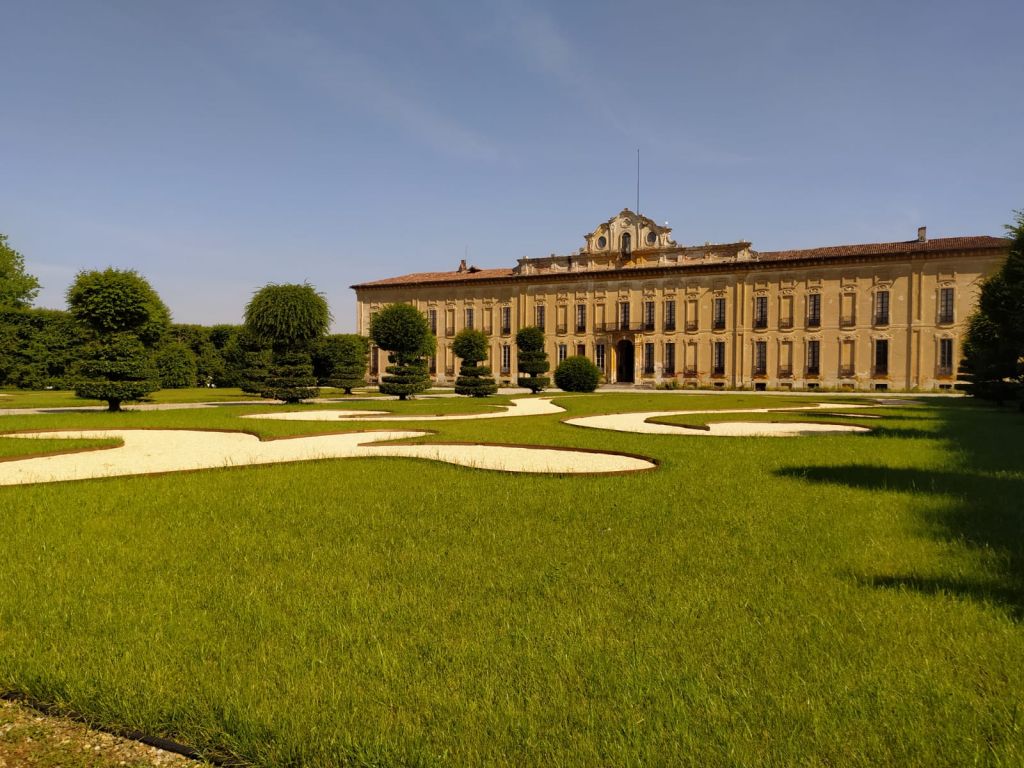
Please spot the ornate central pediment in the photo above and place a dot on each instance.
(627, 233)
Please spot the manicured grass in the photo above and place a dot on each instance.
(11, 447)
(833, 600)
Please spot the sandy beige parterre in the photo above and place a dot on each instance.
(648, 310)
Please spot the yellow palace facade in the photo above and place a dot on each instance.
(648, 311)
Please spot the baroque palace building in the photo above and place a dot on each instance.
(648, 311)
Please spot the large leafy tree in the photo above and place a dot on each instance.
(474, 379)
(404, 332)
(17, 287)
(288, 317)
(126, 319)
(994, 343)
(339, 360)
(533, 360)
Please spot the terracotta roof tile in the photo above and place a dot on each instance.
(882, 249)
(439, 277)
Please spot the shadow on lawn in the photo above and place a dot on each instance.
(985, 493)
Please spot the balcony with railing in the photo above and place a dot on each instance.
(880, 318)
(813, 371)
(649, 325)
(670, 325)
(944, 371)
(718, 325)
(690, 372)
(785, 372)
(880, 370)
(581, 327)
(786, 324)
(847, 321)
(945, 318)
(561, 330)
(691, 326)
(449, 330)
(846, 371)
(760, 323)
(814, 321)
(760, 370)
(506, 330)
(718, 370)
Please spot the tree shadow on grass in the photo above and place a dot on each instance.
(984, 494)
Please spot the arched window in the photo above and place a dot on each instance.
(627, 244)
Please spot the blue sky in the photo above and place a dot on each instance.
(217, 146)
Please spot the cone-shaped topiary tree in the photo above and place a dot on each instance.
(289, 317)
(474, 379)
(340, 361)
(125, 318)
(577, 374)
(404, 332)
(533, 360)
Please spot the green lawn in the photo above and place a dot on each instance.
(848, 600)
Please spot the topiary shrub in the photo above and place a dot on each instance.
(116, 368)
(533, 360)
(340, 361)
(289, 378)
(404, 332)
(474, 379)
(577, 374)
(176, 366)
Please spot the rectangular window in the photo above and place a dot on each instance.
(945, 357)
(946, 305)
(469, 317)
(648, 358)
(760, 358)
(561, 319)
(718, 314)
(847, 356)
(432, 316)
(813, 357)
(449, 322)
(848, 310)
(581, 318)
(506, 320)
(506, 358)
(563, 351)
(624, 315)
(670, 315)
(881, 357)
(599, 356)
(691, 315)
(718, 358)
(433, 364)
(670, 358)
(882, 308)
(374, 361)
(648, 315)
(760, 311)
(785, 312)
(539, 314)
(814, 310)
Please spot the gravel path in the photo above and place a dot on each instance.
(521, 407)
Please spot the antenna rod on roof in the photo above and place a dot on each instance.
(638, 180)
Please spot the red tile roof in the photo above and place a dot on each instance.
(937, 245)
(884, 249)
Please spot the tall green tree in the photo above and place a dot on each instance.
(288, 317)
(17, 287)
(339, 361)
(474, 379)
(533, 360)
(994, 343)
(126, 319)
(404, 332)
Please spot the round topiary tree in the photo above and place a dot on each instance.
(577, 374)
(533, 360)
(404, 332)
(288, 317)
(125, 318)
(340, 361)
(474, 379)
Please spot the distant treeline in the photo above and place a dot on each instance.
(39, 349)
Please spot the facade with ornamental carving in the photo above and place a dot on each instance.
(649, 311)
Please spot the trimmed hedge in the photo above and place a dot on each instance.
(577, 374)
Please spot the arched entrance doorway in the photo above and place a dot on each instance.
(624, 360)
